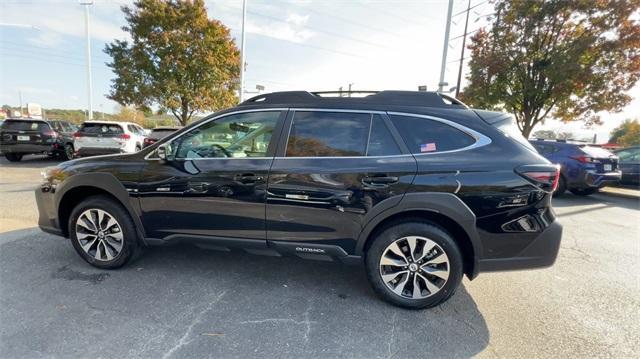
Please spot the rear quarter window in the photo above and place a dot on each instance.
(423, 135)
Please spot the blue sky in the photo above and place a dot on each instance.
(295, 44)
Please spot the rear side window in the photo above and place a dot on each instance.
(25, 126)
(423, 135)
(101, 129)
(328, 134)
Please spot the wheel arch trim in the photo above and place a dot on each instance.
(105, 182)
(442, 203)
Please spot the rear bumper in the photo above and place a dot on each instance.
(96, 151)
(541, 252)
(593, 179)
(28, 148)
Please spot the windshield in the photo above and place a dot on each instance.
(596, 152)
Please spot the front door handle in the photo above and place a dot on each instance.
(381, 180)
(248, 178)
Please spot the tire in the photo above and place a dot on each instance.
(13, 157)
(126, 238)
(562, 187)
(138, 148)
(583, 191)
(421, 233)
(68, 152)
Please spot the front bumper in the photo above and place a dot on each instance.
(541, 252)
(47, 213)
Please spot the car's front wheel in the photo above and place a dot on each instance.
(103, 233)
(13, 157)
(414, 264)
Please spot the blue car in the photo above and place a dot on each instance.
(584, 168)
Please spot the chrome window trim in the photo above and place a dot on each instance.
(481, 140)
(147, 157)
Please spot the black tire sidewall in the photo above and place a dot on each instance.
(13, 157)
(116, 210)
(414, 228)
(65, 155)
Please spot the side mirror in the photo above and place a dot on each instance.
(163, 151)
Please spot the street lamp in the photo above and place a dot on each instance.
(242, 55)
(86, 4)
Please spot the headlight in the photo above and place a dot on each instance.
(51, 174)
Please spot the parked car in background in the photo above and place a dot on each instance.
(584, 168)
(108, 137)
(19, 137)
(630, 164)
(416, 186)
(159, 133)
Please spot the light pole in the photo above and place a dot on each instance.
(445, 47)
(86, 4)
(242, 55)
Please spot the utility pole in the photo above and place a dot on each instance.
(351, 84)
(242, 54)
(87, 25)
(464, 41)
(445, 47)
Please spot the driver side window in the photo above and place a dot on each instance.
(233, 136)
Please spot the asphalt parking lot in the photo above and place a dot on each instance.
(184, 302)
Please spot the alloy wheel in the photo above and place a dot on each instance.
(99, 234)
(414, 267)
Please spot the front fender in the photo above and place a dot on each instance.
(108, 183)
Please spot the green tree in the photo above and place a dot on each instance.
(566, 59)
(177, 58)
(627, 134)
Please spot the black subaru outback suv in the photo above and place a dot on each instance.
(416, 185)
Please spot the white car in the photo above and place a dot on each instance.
(105, 137)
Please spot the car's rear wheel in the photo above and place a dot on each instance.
(414, 264)
(13, 157)
(69, 152)
(562, 187)
(103, 233)
(583, 191)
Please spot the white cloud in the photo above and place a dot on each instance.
(282, 31)
(54, 20)
(298, 20)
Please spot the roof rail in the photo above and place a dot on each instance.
(407, 98)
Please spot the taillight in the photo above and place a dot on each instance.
(124, 136)
(545, 177)
(149, 141)
(52, 134)
(583, 159)
(77, 134)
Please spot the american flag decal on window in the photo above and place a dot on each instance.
(428, 147)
